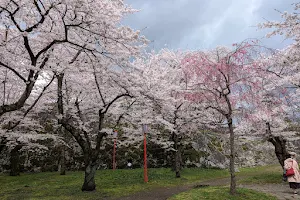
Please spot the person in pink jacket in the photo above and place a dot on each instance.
(294, 180)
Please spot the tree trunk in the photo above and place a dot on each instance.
(3, 142)
(178, 161)
(85, 144)
(232, 158)
(63, 161)
(89, 177)
(15, 161)
(280, 145)
(177, 154)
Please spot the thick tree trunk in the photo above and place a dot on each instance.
(89, 177)
(15, 161)
(279, 143)
(232, 158)
(63, 161)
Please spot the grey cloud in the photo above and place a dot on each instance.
(195, 24)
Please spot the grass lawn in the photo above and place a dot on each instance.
(216, 193)
(261, 175)
(51, 185)
(255, 175)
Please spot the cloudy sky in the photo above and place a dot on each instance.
(204, 24)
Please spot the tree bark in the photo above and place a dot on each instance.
(90, 163)
(178, 161)
(89, 177)
(177, 154)
(15, 161)
(3, 142)
(62, 161)
(279, 143)
(232, 158)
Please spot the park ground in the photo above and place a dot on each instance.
(195, 183)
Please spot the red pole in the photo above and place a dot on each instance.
(145, 160)
(114, 155)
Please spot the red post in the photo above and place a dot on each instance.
(114, 155)
(145, 160)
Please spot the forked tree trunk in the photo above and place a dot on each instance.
(82, 137)
(232, 158)
(279, 143)
(89, 177)
(15, 161)
(63, 161)
(90, 163)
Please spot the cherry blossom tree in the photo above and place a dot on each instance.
(224, 80)
(161, 81)
(30, 31)
(84, 45)
(20, 129)
(27, 136)
(267, 117)
(103, 81)
(85, 112)
(285, 64)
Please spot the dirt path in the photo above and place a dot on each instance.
(157, 194)
(166, 192)
(281, 191)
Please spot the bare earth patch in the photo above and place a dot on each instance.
(158, 194)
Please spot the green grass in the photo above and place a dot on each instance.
(254, 175)
(51, 185)
(260, 169)
(216, 193)
(261, 175)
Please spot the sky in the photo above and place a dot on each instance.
(205, 24)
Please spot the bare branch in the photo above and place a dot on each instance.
(115, 99)
(34, 103)
(14, 71)
(98, 86)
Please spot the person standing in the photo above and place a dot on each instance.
(294, 180)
